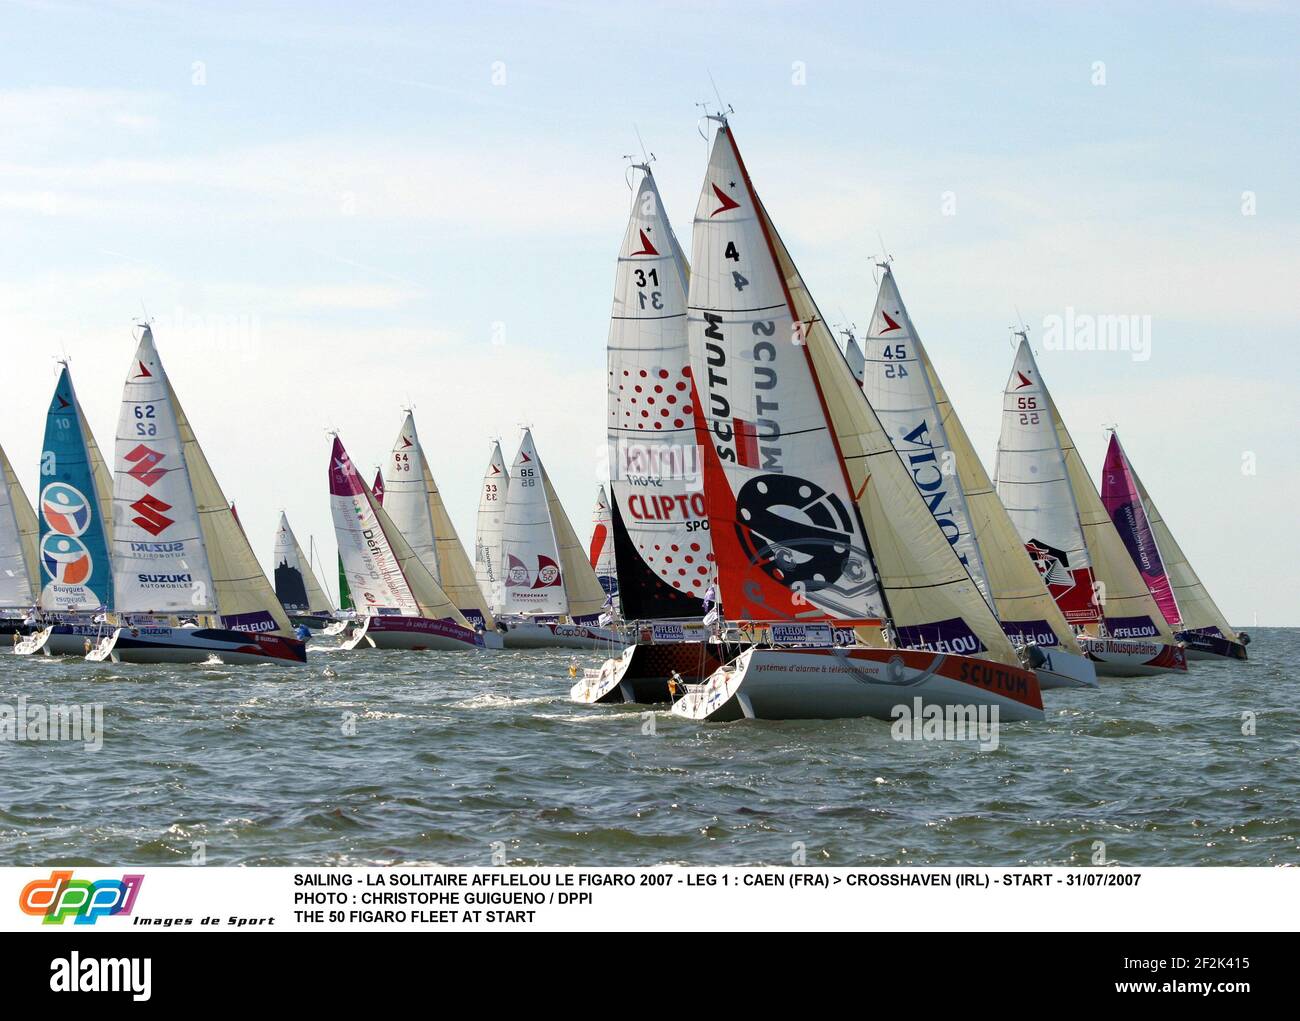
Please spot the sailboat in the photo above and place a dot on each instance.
(402, 606)
(296, 586)
(178, 551)
(487, 530)
(20, 578)
(76, 530)
(412, 500)
(663, 555)
(550, 597)
(1177, 589)
(1069, 536)
(601, 549)
(820, 534)
(347, 614)
(911, 403)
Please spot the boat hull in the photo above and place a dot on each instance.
(641, 674)
(314, 621)
(530, 634)
(62, 640)
(162, 644)
(1056, 668)
(819, 684)
(1209, 647)
(418, 634)
(1133, 657)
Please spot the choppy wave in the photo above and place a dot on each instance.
(451, 758)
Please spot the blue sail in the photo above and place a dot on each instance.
(75, 569)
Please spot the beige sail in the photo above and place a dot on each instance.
(581, 586)
(1124, 593)
(240, 587)
(923, 579)
(456, 573)
(28, 526)
(432, 600)
(1196, 607)
(1017, 587)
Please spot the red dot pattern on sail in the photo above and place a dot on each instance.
(646, 247)
(654, 400)
(727, 202)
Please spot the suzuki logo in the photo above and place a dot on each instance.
(146, 470)
(150, 514)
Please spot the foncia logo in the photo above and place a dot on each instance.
(83, 900)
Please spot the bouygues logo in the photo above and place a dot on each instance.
(83, 900)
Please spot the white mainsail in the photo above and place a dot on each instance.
(289, 557)
(530, 555)
(384, 574)
(1198, 610)
(659, 518)
(796, 549)
(19, 571)
(412, 500)
(406, 495)
(1034, 485)
(1024, 606)
(815, 418)
(160, 563)
(897, 384)
(488, 527)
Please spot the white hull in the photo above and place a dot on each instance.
(417, 634)
(1061, 669)
(641, 674)
(818, 684)
(528, 634)
(337, 627)
(62, 640)
(1133, 657)
(162, 644)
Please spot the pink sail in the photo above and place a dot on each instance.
(1120, 495)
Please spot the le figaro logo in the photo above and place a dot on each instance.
(85, 901)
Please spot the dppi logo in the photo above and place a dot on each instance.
(66, 509)
(61, 897)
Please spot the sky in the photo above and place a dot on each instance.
(333, 210)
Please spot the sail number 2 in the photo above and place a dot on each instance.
(145, 426)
